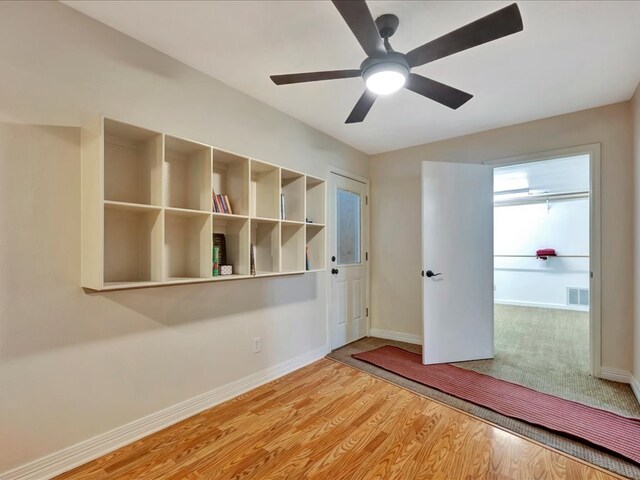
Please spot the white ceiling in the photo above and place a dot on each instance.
(560, 175)
(570, 56)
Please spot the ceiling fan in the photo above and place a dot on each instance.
(386, 71)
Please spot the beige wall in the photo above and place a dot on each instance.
(635, 109)
(74, 365)
(396, 229)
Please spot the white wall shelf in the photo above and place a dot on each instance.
(293, 248)
(265, 235)
(316, 247)
(293, 192)
(186, 178)
(187, 245)
(148, 214)
(265, 190)
(132, 163)
(132, 244)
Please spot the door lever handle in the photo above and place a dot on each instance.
(431, 274)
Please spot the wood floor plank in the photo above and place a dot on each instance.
(330, 421)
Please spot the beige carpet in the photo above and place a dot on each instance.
(543, 349)
(548, 350)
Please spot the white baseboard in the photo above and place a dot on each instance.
(635, 386)
(398, 336)
(615, 374)
(540, 305)
(85, 451)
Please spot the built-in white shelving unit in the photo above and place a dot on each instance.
(148, 215)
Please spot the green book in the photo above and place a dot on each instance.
(216, 261)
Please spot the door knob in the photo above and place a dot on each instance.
(431, 274)
(334, 271)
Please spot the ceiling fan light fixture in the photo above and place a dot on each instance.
(386, 78)
(385, 71)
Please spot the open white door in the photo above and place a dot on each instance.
(457, 255)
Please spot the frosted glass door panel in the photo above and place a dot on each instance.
(348, 226)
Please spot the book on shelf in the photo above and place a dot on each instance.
(253, 260)
(216, 261)
(220, 241)
(228, 203)
(283, 214)
(308, 262)
(221, 204)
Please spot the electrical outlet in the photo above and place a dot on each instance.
(257, 345)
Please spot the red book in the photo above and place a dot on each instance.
(544, 253)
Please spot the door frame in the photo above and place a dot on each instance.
(365, 245)
(595, 245)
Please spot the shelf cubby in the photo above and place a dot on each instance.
(230, 176)
(132, 164)
(187, 183)
(132, 244)
(315, 200)
(293, 188)
(315, 246)
(293, 248)
(265, 235)
(236, 233)
(187, 245)
(265, 190)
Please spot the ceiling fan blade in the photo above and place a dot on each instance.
(439, 92)
(362, 107)
(501, 23)
(359, 19)
(313, 76)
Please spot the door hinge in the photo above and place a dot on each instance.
(367, 311)
(366, 256)
(366, 199)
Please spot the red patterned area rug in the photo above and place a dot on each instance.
(605, 429)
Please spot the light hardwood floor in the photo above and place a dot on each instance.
(330, 421)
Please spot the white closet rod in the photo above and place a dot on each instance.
(542, 198)
(535, 256)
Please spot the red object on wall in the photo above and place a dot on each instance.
(544, 253)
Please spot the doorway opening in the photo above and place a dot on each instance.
(542, 266)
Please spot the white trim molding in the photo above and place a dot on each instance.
(87, 450)
(635, 386)
(615, 374)
(397, 336)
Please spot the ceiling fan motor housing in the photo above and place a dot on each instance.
(387, 24)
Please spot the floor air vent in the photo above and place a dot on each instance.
(578, 296)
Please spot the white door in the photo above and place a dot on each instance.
(348, 231)
(457, 255)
